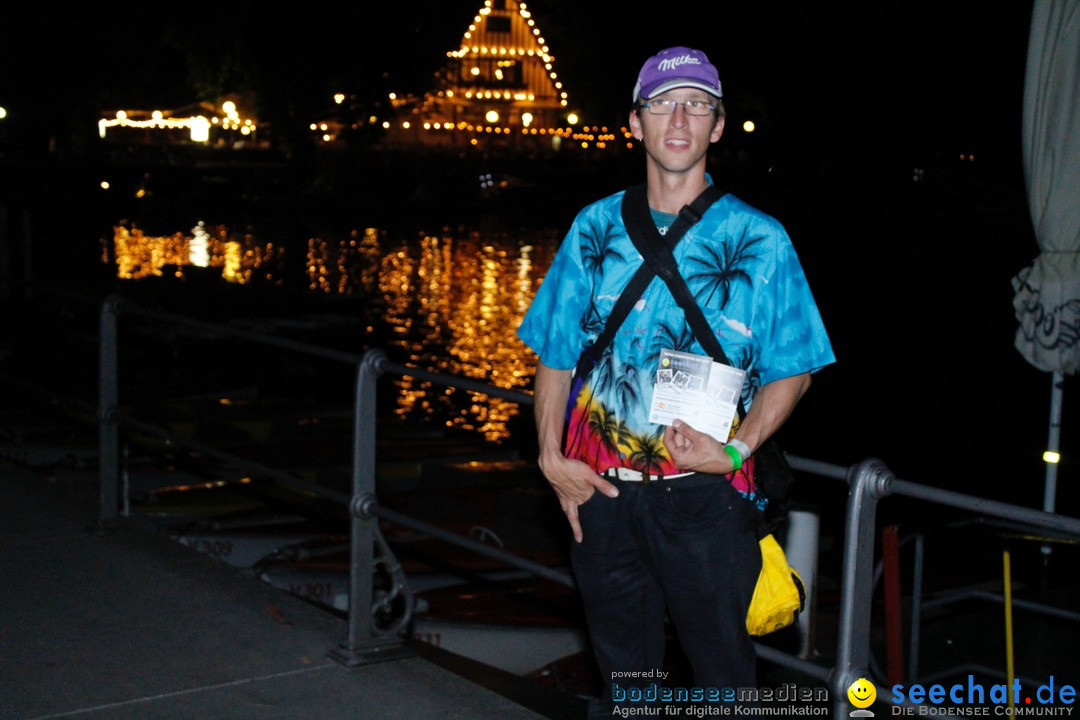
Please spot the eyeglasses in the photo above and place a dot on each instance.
(667, 107)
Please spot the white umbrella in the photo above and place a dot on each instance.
(1047, 300)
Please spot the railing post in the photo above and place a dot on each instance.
(108, 407)
(869, 483)
(894, 602)
(801, 548)
(916, 606)
(365, 645)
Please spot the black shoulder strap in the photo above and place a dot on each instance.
(630, 295)
(639, 222)
(658, 253)
(634, 200)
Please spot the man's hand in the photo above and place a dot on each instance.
(574, 482)
(697, 451)
(692, 449)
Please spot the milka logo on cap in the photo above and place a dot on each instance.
(673, 63)
(676, 67)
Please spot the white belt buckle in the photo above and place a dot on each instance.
(629, 475)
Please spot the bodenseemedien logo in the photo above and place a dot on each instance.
(862, 694)
(696, 702)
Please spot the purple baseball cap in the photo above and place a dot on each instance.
(674, 68)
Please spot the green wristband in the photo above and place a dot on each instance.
(742, 447)
(736, 458)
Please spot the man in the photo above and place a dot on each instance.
(664, 525)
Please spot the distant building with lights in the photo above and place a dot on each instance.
(498, 92)
(499, 89)
(201, 123)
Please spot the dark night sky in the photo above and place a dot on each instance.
(928, 75)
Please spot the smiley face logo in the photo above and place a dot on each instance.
(862, 693)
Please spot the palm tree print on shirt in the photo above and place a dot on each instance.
(721, 268)
(648, 453)
(606, 426)
(596, 251)
(670, 338)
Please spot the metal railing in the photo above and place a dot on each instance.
(871, 481)
(370, 641)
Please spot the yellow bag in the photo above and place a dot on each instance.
(779, 595)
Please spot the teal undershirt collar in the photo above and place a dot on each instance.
(663, 220)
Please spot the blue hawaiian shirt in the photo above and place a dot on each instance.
(740, 265)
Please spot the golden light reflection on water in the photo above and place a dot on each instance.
(452, 301)
(454, 305)
(346, 266)
(237, 257)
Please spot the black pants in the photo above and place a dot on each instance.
(683, 548)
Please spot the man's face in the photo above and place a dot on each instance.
(677, 143)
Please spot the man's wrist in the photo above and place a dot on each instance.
(741, 447)
(736, 458)
(548, 454)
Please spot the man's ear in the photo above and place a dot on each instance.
(717, 130)
(635, 123)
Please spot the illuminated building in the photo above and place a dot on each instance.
(499, 88)
(201, 123)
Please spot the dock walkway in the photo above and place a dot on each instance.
(130, 624)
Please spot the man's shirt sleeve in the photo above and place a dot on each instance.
(552, 326)
(792, 334)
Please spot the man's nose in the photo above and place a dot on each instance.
(678, 115)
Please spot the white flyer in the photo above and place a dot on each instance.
(698, 391)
